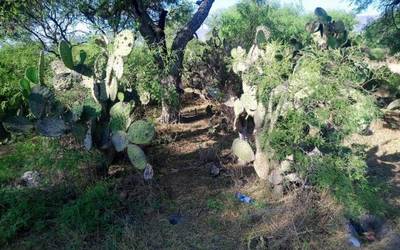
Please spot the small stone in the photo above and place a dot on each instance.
(31, 179)
(115, 170)
(148, 173)
(293, 178)
(285, 166)
(214, 168)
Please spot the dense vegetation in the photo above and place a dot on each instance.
(84, 140)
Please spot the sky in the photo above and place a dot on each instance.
(309, 5)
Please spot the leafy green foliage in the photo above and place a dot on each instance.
(238, 24)
(14, 61)
(381, 33)
(45, 156)
(93, 211)
(142, 73)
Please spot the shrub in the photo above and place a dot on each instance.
(304, 106)
(13, 63)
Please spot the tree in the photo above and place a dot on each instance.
(171, 62)
(47, 21)
(151, 18)
(390, 8)
(55, 18)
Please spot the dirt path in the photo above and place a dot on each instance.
(383, 156)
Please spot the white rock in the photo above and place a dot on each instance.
(31, 178)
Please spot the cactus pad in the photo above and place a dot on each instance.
(137, 157)
(238, 107)
(141, 132)
(320, 12)
(118, 66)
(112, 89)
(119, 140)
(38, 100)
(31, 74)
(41, 68)
(249, 103)
(66, 54)
(123, 43)
(25, 87)
(243, 150)
(120, 116)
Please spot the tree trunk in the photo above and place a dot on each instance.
(155, 36)
(169, 113)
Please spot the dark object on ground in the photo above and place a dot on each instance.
(244, 198)
(175, 219)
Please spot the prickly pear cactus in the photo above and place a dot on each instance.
(328, 33)
(141, 132)
(137, 156)
(102, 118)
(65, 51)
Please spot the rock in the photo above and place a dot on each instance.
(148, 173)
(207, 155)
(64, 78)
(275, 177)
(30, 179)
(285, 166)
(215, 168)
(293, 178)
(115, 170)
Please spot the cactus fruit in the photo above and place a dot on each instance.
(119, 140)
(137, 157)
(141, 132)
(243, 150)
(66, 54)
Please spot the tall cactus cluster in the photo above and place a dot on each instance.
(304, 96)
(93, 105)
(251, 115)
(328, 32)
